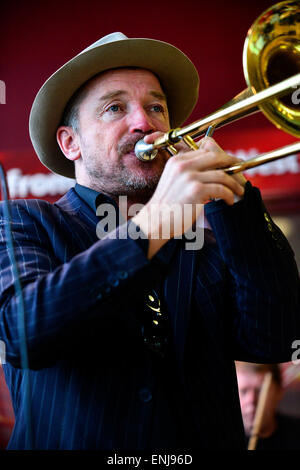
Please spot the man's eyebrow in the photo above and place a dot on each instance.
(112, 94)
(117, 93)
(158, 95)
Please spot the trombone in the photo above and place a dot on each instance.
(271, 65)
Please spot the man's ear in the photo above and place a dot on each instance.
(68, 141)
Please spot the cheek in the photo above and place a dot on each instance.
(110, 136)
(94, 141)
(242, 401)
(161, 124)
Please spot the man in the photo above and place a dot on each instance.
(122, 331)
(277, 432)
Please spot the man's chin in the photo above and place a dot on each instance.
(248, 428)
(142, 174)
(136, 183)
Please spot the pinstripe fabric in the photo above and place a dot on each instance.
(93, 384)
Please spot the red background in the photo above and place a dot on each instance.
(37, 37)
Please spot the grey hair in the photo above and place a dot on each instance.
(70, 117)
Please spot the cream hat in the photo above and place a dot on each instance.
(178, 77)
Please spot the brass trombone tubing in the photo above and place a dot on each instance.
(264, 158)
(228, 113)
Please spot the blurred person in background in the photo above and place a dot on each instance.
(277, 431)
(6, 412)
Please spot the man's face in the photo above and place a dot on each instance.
(250, 384)
(120, 108)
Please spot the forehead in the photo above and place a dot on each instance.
(132, 80)
(250, 379)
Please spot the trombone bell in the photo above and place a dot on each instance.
(271, 54)
(271, 63)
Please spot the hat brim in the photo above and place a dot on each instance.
(177, 74)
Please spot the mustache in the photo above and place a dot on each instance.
(127, 144)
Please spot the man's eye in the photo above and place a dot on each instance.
(157, 108)
(114, 108)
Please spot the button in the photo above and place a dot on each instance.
(145, 394)
(274, 236)
(267, 218)
(270, 227)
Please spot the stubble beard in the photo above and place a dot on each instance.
(115, 178)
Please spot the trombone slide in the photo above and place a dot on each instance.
(264, 158)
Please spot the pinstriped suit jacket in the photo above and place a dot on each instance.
(93, 384)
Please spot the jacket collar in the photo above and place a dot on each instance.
(72, 203)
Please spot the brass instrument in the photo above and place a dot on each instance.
(271, 64)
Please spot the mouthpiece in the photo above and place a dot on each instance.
(145, 152)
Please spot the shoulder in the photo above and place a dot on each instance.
(36, 214)
(39, 208)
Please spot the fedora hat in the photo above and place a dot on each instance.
(178, 77)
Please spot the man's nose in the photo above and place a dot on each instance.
(139, 121)
(252, 397)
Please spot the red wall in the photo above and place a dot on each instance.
(7, 416)
(37, 37)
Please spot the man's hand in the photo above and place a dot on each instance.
(207, 143)
(190, 178)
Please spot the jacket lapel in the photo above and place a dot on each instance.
(178, 295)
(84, 220)
(178, 285)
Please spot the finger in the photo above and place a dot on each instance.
(150, 138)
(220, 177)
(180, 146)
(240, 178)
(217, 191)
(202, 160)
